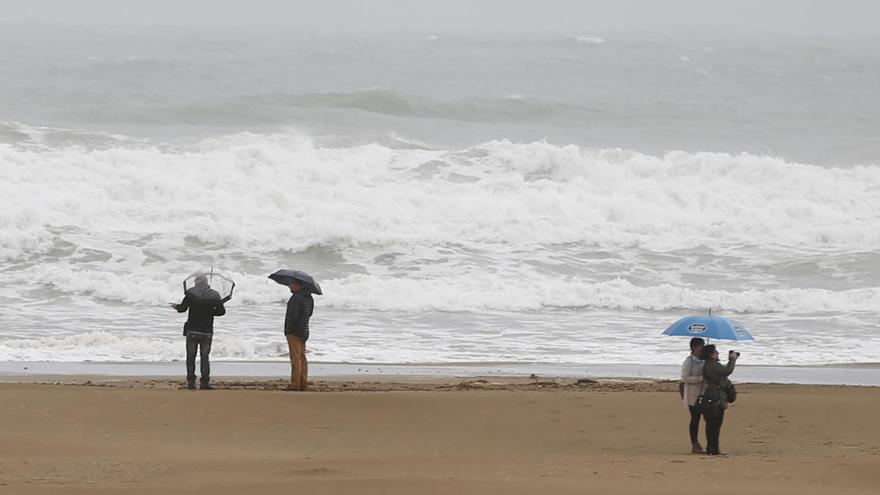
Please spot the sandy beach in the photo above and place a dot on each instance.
(427, 436)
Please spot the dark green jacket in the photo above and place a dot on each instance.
(299, 309)
(715, 379)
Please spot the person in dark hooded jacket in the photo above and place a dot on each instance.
(203, 304)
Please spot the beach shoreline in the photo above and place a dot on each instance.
(404, 383)
(862, 375)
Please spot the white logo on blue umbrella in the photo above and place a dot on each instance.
(696, 328)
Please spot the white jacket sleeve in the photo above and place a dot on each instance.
(687, 370)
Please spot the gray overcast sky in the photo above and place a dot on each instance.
(759, 16)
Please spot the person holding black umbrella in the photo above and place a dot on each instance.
(300, 307)
(296, 328)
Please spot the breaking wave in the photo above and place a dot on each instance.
(511, 229)
(263, 193)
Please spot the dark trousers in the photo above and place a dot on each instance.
(713, 432)
(200, 342)
(694, 427)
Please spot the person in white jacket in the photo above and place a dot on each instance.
(691, 386)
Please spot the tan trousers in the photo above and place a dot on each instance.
(299, 367)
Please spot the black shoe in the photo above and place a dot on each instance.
(206, 386)
(191, 385)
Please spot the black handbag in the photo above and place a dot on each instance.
(709, 405)
(730, 392)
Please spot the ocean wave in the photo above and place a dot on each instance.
(283, 108)
(401, 104)
(264, 193)
(491, 293)
(119, 346)
(474, 290)
(601, 344)
(43, 137)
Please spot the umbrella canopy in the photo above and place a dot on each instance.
(285, 277)
(712, 327)
(209, 285)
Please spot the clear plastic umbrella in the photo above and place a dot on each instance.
(209, 285)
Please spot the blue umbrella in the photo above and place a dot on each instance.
(710, 327)
(285, 277)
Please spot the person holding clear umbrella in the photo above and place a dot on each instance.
(203, 303)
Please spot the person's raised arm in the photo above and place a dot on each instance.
(731, 364)
(184, 305)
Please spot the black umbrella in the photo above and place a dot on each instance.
(209, 286)
(285, 277)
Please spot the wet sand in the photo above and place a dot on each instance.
(412, 435)
(832, 374)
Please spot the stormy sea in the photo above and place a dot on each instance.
(510, 198)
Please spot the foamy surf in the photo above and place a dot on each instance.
(518, 251)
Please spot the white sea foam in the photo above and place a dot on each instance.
(356, 344)
(448, 291)
(408, 231)
(269, 192)
(116, 346)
